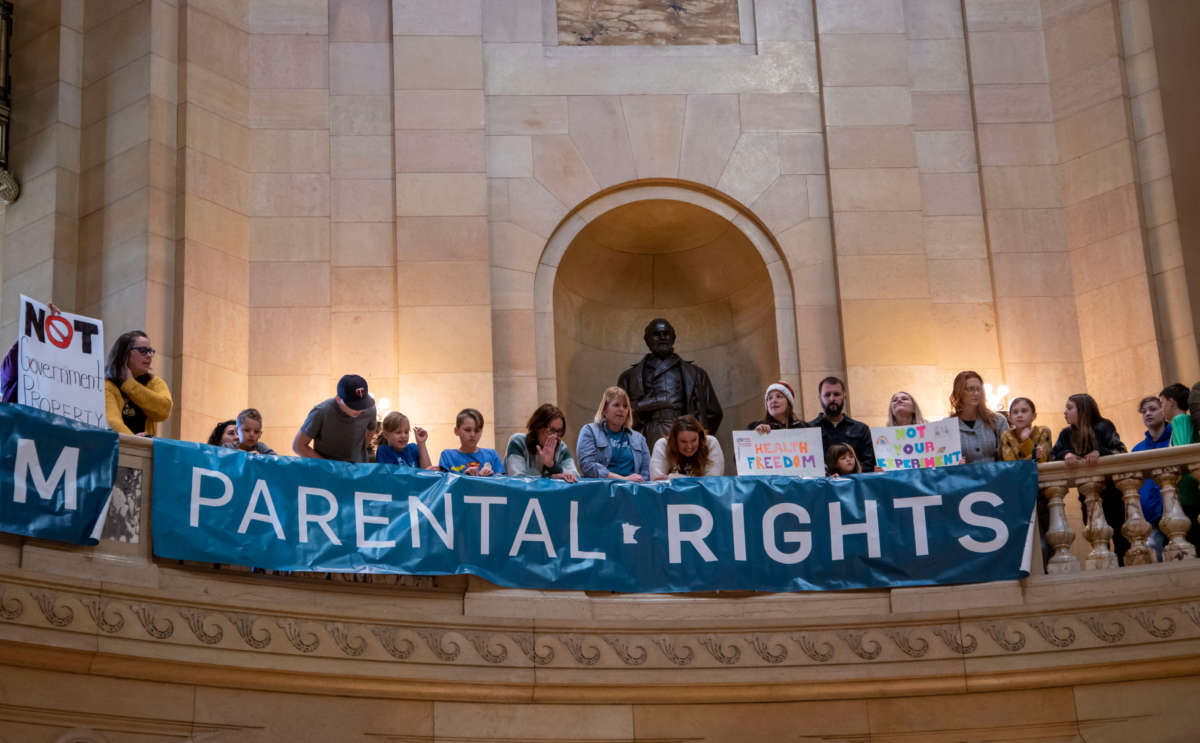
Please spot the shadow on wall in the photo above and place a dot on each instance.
(676, 260)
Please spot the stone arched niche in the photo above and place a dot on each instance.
(676, 259)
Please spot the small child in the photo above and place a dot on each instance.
(840, 459)
(1024, 440)
(468, 458)
(393, 446)
(249, 431)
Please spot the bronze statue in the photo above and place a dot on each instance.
(663, 387)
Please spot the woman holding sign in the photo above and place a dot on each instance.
(903, 410)
(780, 400)
(687, 451)
(979, 429)
(136, 401)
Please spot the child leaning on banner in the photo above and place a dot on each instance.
(393, 446)
(469, 458)
(249, 431)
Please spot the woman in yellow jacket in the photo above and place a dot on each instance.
(136, 401)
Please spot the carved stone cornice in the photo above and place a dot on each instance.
(133, 633)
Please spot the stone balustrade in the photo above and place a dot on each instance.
(1126, 472)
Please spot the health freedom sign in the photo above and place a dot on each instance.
(787, 451)
(922, 445)
(954, 525)
(61, 363)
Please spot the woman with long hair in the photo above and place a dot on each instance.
(903, 410)
(687, 451)
(979, 428)
(135, 400)
(780, 402)
(1087, 437)
(540, 451)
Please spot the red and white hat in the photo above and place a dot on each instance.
(784, 388)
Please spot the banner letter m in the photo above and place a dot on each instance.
(28, 466)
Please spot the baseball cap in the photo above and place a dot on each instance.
(353, 391)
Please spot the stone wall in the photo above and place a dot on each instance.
(281, 192)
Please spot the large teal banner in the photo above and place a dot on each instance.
(962, 524)
(55, 474)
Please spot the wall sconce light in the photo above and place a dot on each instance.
(9, 188)
(996, 398)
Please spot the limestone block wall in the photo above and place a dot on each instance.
(281, 192)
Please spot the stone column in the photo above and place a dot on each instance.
(1099, 177)
(214, 242)
(1156, 180)
(40, 240)
(877, 206)
(443, 285)
(290, 329)
(362, 231)
(1035, 305)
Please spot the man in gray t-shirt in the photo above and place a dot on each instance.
(337, 427)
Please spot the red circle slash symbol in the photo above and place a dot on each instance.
(59, 330)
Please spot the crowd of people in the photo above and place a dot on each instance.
(345, 427)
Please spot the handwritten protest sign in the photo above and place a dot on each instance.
(61, 362)
(791, 452)
(920, 446)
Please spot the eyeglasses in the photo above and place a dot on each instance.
(144, 350)
(557, 431)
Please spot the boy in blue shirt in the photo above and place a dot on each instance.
(1158, 436)
(468, 458)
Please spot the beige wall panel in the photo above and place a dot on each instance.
(289, 239)
(710, 132)
(360, 69)
(361, 115)
(289, 16)
(596, 125)
(448, 238)
(362, 244)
